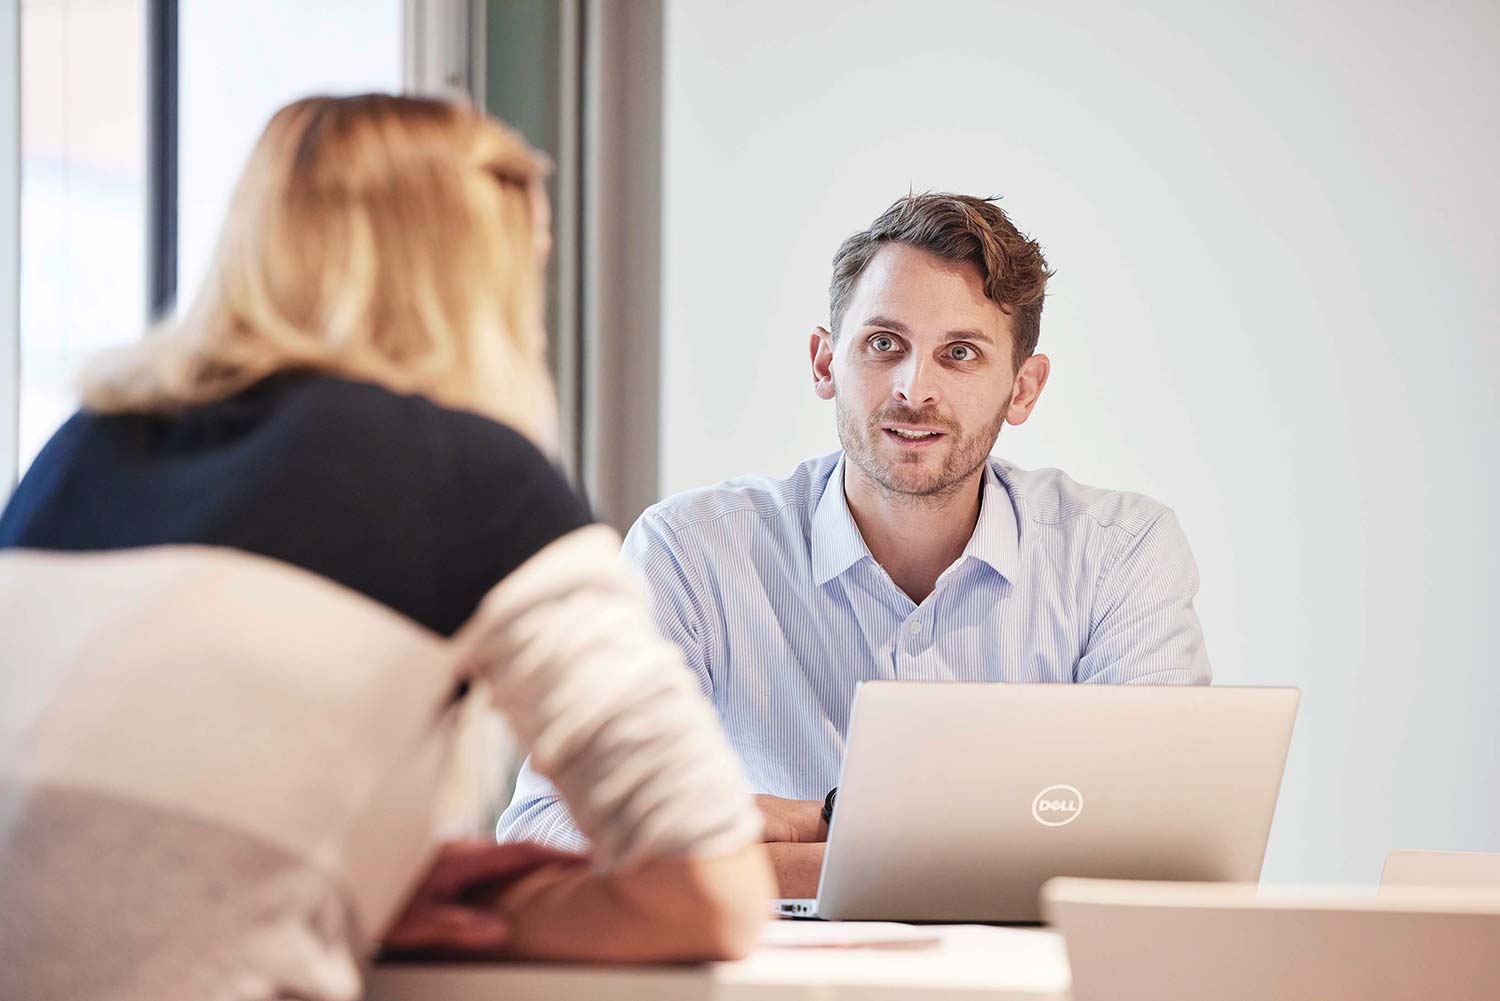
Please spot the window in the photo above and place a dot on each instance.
(85, 127)
(83, 197)
(239, 62)
(10, 227)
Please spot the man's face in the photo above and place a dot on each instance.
(921, 373)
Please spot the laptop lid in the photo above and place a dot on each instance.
(957, 801)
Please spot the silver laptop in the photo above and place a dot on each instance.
(958, 801)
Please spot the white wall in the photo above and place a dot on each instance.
(1275, 310)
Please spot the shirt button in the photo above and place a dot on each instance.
(914, 627)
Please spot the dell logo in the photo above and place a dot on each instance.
(1055, 806)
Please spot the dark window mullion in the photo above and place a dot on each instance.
(161, 158)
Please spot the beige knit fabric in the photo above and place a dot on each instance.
(220, 775)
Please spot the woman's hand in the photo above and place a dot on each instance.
(453, 910)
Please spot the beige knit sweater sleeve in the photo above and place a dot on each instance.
(606, 706)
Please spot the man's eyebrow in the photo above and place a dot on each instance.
(969, 335)
(887, 323)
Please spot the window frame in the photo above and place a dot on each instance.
(161, 157)
(10, 245)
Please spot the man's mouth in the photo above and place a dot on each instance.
(911, 435)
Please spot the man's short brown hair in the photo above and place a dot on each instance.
(961, 229)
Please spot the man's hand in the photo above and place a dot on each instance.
(795, 820)
(452, 910)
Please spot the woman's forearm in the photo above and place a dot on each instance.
(671, 910)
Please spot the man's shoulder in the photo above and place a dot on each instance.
(747, 501)
(1050, 497)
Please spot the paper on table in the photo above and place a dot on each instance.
(847, 935)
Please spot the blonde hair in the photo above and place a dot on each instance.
(393, 240)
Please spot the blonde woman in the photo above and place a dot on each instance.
(251, 588)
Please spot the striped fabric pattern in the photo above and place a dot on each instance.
(770, 590)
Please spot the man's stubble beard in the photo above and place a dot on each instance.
(965, 453)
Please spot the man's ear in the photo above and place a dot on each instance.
(1027, 387)
(820, 350)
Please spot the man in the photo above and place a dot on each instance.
(911, 554)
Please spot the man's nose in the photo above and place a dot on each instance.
(916, 384)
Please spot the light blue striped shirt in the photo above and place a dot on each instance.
(780, 610)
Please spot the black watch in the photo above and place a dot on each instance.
(828, 805)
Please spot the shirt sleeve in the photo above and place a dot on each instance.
(603, 703)
(1143, 629)
(537, 813)
(675, 593)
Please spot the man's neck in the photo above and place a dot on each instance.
(914, 538)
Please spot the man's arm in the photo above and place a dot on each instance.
(795, 839)
(797, 867)
(1143, 629)
(538, 814)
(678, 601)
(684, 612)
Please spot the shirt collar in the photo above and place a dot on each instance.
(837, 544)
(996, 538)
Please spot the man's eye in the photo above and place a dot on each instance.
(883, 342)
(962, 352)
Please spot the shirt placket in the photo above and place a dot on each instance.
(915, 635)
(880, 609)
